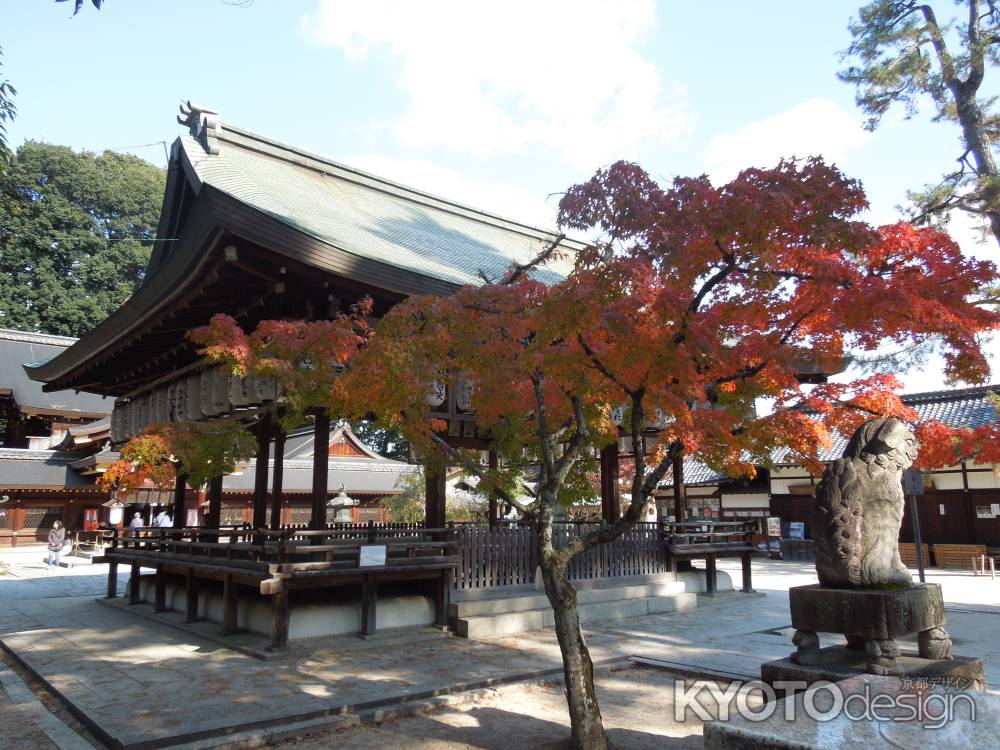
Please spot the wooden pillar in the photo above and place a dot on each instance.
(190, 596)
(369, 596)
(442, 598)
(112, 579)
(747, 582)
(229, 602)
(160, 582)
(434, 504)
(321, 469)
(180, 498)
(214, 516)
(610, 504)
(710, 576)
(970, 505)
(493, 510)
(680, 491)
(277, 478)
(133, 584)
(279, 619)
(260, 473)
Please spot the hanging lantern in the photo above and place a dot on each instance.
(437, 394)
(463, 398)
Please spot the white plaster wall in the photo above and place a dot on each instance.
(735, 502)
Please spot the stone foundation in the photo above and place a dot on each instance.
(340, 614)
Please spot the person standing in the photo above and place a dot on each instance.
(57, 538)
(136, 523)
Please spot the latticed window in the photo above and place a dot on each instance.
(231, 517)
(301, 515)
(376, 515)
(41, 518)
(3, 519)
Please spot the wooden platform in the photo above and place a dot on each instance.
(274, 563)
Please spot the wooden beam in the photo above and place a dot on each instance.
(277, 478)
(434, 505)
(133, 584)
(190, 596)
(610, 504)
(680, 491)
(214, 516)
(160, 601)
(321, 469)
(279, 619)
(180, 497)
(369, 596)
(229, 604)
(112, 579)
(442, 598)
(261, 471)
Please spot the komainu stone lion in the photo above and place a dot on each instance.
(859, 508)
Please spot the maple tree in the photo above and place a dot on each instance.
(143, 460)
(694, 301)
(199, 450)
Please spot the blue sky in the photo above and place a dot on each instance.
(495, 104)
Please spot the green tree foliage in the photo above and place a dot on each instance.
(7, 113)
(904, 54)
(383, 440)
(75, 232)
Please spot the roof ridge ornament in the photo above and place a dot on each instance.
(203, 123)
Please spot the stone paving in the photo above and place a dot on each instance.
(182, 686)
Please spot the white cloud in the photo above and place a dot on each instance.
(501, 198)
(817, 127)
(496, 78)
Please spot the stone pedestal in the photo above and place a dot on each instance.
(871, 620)
(837, 663)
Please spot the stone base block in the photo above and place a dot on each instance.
(972, 721)
(871, 614)
(837, 663)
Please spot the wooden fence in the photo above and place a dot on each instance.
(506, 555)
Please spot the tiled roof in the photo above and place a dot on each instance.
(965, 407)
(355, 476)
(18, 348)
(695, 473)
(19, 467)
(367, 215)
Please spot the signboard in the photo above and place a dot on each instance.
(796, 530)
(913, 482)
(773, 526)
(372, 555)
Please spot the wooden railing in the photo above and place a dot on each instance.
(289, 549)
(695, 536)
(488, 556)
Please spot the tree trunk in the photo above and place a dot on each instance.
(578, 669)
(970, 115)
